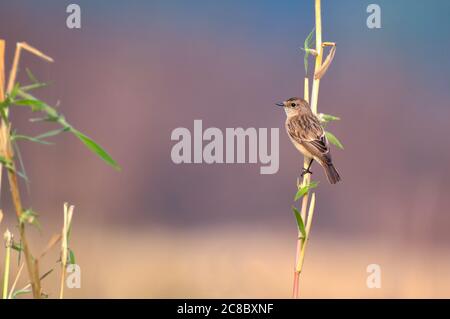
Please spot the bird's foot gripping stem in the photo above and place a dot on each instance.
(307, 170)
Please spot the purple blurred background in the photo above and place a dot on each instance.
(138, 69)
(135, 72)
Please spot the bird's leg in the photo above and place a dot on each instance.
(307, 171)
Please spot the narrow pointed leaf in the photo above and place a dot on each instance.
(31, 76)
(10, 166)
(307, 46)
(14, 91)
(22, 165)
(300, 223)
(17, 246)
(36, 105)
(328, 117)
(34, 86)
(97, 149)
(334, 140)
(20, 292)
(16, 137)
(302, 191)
(71, 257)
(309, 40)
(38, 119)
(51, 133)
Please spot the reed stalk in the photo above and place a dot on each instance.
(307, 206)
(16, 280)
(68, 212)
(8, 139)
(8, 244)
(6, 151)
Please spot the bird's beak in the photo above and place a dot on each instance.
(279, 104)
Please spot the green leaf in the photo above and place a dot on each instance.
(307, 46)
(19, 257)
(309, 39)
(35, 82)
(5, 162)
(14, 91)
(10, 166)
(328, 118)
(34, 86)
(334, 140)
(40, 138)
(71, 257)
(31, 217)
(97, 149)
(36, 105)
(6, 103)
(302, 191)
(69, 232)
(31, 76)
(300, 223)
(20, 292)
(16, 137)
(22, 166)
(17, 246)
(52, 133)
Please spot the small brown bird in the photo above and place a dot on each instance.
(307, 135)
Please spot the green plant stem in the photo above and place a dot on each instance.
(29, 260)
(15, 195)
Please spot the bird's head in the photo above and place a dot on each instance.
(294, 105)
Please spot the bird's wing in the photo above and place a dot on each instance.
(306, 130)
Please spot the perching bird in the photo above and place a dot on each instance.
(308, 136)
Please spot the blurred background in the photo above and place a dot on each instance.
(136, 70)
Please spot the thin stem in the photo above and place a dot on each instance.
(68, 212)
(2, 87)
(63, 253)
(6, 151)
(13, 287)
(307, 218)
(8, 244)
(319, 49)
(296, 273)
(300, 240)
(308, 230)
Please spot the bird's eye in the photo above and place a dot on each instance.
(293, 104)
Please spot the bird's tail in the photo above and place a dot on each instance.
(332, 174)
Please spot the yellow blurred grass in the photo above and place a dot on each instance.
(238, 263)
